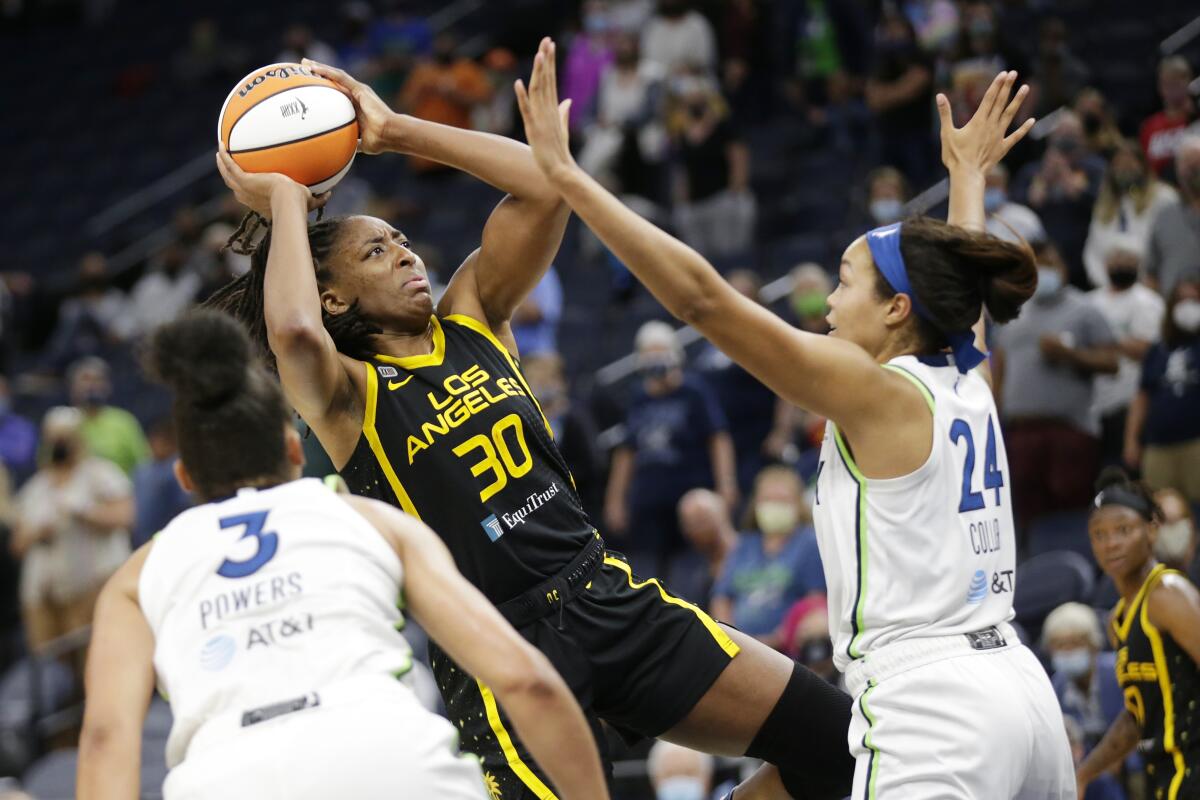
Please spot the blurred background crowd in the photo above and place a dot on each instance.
(768, 134)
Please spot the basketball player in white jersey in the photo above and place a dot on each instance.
(912, 511)
(268, 617)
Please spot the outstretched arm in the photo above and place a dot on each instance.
(523, 233)
(469, 628)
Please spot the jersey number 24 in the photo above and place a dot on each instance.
(993, 478)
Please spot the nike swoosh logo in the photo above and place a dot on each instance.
(394, 385)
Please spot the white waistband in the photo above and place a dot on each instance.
(906, 654)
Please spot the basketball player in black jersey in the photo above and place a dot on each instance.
(1156, 628)
(426, 408)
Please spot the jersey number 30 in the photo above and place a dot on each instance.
(993, 478)
(498, 457)
(267, 543)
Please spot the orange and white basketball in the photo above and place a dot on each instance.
(283, 118)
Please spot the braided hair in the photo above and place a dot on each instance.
(243, 297)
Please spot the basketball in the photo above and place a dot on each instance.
(283, 118)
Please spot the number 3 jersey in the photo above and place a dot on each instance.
(457, 439)
(931, 553)
(265, 597)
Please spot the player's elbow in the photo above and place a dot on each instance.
(527, 676)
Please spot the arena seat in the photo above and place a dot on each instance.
(1063, 530)
(53, 776)
(1046, 581)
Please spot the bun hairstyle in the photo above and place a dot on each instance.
(1114, 486)
(957, 273)
(229, 413)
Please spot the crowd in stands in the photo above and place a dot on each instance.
(705, 475)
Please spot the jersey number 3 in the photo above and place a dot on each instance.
(993, 478)
(267, 543)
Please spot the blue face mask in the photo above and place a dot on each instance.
(886, 210)
(1049, 282)
(993, 198)
(680, 787)
(1072, 663)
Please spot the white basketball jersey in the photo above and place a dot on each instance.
(266, 597)
(933, 552)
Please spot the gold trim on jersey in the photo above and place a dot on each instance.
(519, 767)
(1122, 626)
(1164, 681)
(433, 359)
(728, 645)
(372, 435)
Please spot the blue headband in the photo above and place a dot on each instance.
(885, 249)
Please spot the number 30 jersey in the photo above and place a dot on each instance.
(265, 597)
(457, 439)
(931, 553)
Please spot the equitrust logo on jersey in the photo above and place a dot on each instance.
(496, 526)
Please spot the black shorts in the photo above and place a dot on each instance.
(634, 655)
(1163, 776)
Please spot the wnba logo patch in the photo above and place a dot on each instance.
(978, 588)
(492, 527)
(388, 372)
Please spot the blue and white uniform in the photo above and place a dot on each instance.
(921, 571)
(275, 617)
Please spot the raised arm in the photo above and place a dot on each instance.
(522, 234)
(120, 683)
(312, 372)
(469, 628)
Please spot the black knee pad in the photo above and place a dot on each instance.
(805, 738)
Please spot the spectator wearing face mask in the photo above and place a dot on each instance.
(1099, 125)
(1176, 542)
(1043, 365)
(111, 433)
(71, 530)
(1072, 639)
(1173, 249)
(1134, 312)
(163, 293)
(1163, 431)
(1130, 199)
(1007, 219)
(87, 320)
(589, 55)
(1162, 132)
(774, 564)
(708, 530)
(676, 439)
(899, 93)
(804, 636)
(715, 210)
(677, 773)
(887, 192)
(811, 287)
(1062, 188)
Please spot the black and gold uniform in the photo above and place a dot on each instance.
(1161, 683)
(457, 439)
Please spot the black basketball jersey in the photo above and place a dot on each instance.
(457, 439)
(1160, 680)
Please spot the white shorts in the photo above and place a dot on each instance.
(368, 738)
(935, 719)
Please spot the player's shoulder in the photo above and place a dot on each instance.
(1172, 598)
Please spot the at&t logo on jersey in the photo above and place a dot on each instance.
(217, 653)
(978, 588)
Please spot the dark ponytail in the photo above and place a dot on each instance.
(243, 297)
(1115, 486)
(956, 273)
(229, 413)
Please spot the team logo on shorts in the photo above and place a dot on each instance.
(217, 653)
(492, 527)
(978, 588)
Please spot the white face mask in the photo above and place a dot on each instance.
(1049, 282)
(886, 210)
(776, 518)
(1173, 541)
(681, 787)
(1072, 663)
(1187, 315)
